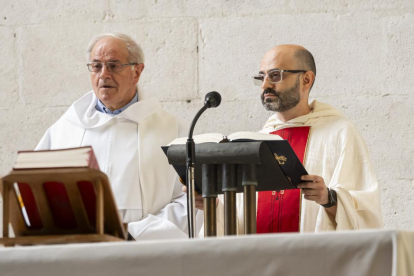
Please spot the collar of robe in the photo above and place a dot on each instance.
(319, 110)
(84, 114)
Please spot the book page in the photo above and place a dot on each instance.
(52, 154)
(73, 157)
(247, 135)
(201, 138)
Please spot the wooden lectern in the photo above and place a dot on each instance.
(72, 205)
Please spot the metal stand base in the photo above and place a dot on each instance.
(230, 222)
(210, 218)
(250, 209)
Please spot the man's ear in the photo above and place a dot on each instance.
(308, 79)
(138, 71)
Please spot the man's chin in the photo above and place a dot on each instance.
(270, 99)
(106, 93)
(271, 106)
(104, 90)
(105, 96)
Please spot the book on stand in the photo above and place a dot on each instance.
(55, 191)
(287, 160)
(82, 157)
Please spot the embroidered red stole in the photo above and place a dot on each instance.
(279, 211)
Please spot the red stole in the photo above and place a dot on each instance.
(279, 211)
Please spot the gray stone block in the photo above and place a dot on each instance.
(54, 60)
(397, 56)
(27, 12)
(231, 51)
(123, 10)
(9, 84)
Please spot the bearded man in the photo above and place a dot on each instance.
(126, 134)
(341, 191)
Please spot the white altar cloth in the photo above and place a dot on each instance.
(381, 252)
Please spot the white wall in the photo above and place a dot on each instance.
(363, 50)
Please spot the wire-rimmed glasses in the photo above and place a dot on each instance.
(113, 67)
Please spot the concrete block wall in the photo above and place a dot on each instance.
(363, 49)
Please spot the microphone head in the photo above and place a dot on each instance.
(212, 99)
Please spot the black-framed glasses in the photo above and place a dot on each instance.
(274, 76)
(113, 67)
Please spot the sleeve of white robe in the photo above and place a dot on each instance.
(355, 183)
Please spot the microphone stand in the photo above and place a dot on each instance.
(212, 99)
(190, 152)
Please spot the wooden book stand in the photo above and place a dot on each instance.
(72, 205)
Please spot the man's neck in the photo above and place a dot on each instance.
(100, 106)
(297, 111)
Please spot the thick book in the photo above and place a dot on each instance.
(286, 158)
(82, 157)
(55, 191)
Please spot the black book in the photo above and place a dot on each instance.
(290, 167)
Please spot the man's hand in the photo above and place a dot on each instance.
(198, 199)
(315, 190)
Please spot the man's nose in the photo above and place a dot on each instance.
(266, 83)
(105, 73)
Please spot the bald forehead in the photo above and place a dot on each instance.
(280, 57)
(109, 49)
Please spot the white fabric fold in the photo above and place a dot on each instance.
(153, 228)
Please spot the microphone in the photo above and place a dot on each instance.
(212, 99)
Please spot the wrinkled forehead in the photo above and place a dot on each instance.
(278, 59)
(109, 49)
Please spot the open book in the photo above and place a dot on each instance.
(286, 158)
(234, 137)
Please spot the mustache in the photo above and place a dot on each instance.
(102, 84)
(270, 91)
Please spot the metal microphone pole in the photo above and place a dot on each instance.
(190, 150)
(212, 99)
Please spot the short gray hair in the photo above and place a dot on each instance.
(135, 53)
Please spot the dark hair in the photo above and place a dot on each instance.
(306, 61)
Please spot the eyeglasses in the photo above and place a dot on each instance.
(274, 76)
(113, 67)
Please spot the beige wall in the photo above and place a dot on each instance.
(363, 50)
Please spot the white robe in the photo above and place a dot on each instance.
(128, 150)
(336, 152)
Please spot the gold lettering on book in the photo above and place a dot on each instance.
(280, 159)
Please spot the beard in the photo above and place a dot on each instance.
(284, 100)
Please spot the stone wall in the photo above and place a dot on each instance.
(363, 50)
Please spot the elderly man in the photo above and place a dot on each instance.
(126, 134)
(341, 191)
